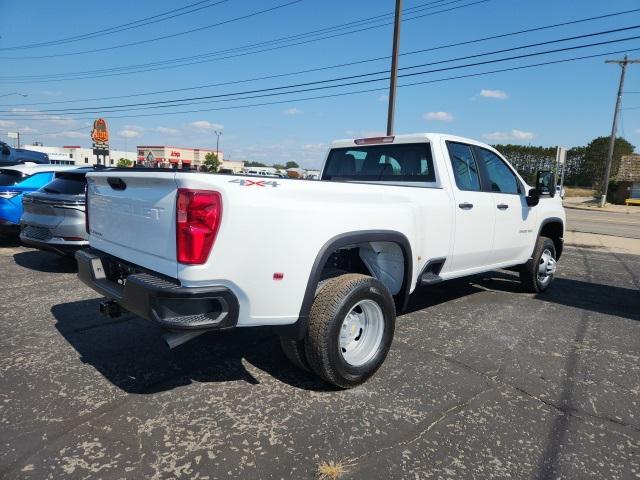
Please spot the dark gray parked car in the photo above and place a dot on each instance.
(54, 216)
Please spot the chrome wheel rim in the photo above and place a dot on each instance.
(546, 267)
(361, 333)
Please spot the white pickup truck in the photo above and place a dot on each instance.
(327, 263)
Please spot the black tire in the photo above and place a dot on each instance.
(529, 279)
(294, 351)
(332, 304)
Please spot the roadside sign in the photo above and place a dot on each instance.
(12, 134)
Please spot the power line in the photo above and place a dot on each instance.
(119, 28)
(424, 82)
(299, 72)
(193, 30)
(195, 100)
(416, 8)
(117, 71)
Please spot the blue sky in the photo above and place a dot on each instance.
(566, 103)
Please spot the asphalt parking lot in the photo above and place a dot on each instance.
(483, 381)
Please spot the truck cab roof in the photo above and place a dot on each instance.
(405, 138)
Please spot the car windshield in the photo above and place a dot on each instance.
(10, 177)
(406, 162)
(71, 183)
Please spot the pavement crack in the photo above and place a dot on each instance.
(454, 409)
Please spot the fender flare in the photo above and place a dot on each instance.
(299, 328)
(546, 221)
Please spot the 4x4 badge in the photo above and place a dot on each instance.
(245, 182)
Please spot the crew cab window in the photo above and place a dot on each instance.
(10, 177)
(405, 162)
(465, 169)
(501, 178)
(68, 183)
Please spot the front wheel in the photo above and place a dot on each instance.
(351, 326)
(537, 274)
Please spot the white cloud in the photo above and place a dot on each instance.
(72, 134)
(206, 125)
(314, 146)
(514, 134)
(383, 98)
(128, 133)
(439, 116)
(167, 130)
(50, 93)
(134, 127)
(292, 111)
(499, 94)
(6, 123)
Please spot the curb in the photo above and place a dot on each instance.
(597, 209)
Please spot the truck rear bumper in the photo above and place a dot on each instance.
(154, 297)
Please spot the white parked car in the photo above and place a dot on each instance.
(329, 264)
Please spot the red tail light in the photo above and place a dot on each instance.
(198, 216)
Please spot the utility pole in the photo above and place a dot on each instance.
(217, 141)
(614, 128)
(394, 67)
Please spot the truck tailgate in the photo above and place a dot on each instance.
(132, 216)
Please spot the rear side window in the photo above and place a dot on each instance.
(68, 183)
(464, 166)
(37, 180)
(10, 177)
(408, 162)
(501, 178)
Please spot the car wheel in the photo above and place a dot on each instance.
(537, 274)
(351, 326)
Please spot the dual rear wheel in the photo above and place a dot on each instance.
(350, 330)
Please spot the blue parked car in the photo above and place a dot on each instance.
(16, 181)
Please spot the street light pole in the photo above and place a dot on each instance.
(217, 141)
(614, 127)
(394, 68)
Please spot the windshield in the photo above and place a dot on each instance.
(67, 183)
(407, 162)
(10, 177)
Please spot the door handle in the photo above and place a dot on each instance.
(465, 205)
(503, 206)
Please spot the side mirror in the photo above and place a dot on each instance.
(533, 198)
(546, 183)
(5, 150)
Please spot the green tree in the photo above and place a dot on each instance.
(595, 157)
(291, 164)
(124, 162)
(212, 162)
(279, 166)
(254, 164)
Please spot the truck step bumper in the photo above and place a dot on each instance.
(156, 298)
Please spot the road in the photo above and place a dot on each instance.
(604, 223)
(483, 381)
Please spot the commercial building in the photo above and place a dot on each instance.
(182, 157)
(627, 181)
(77, 155)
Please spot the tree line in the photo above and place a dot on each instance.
(584, 166)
